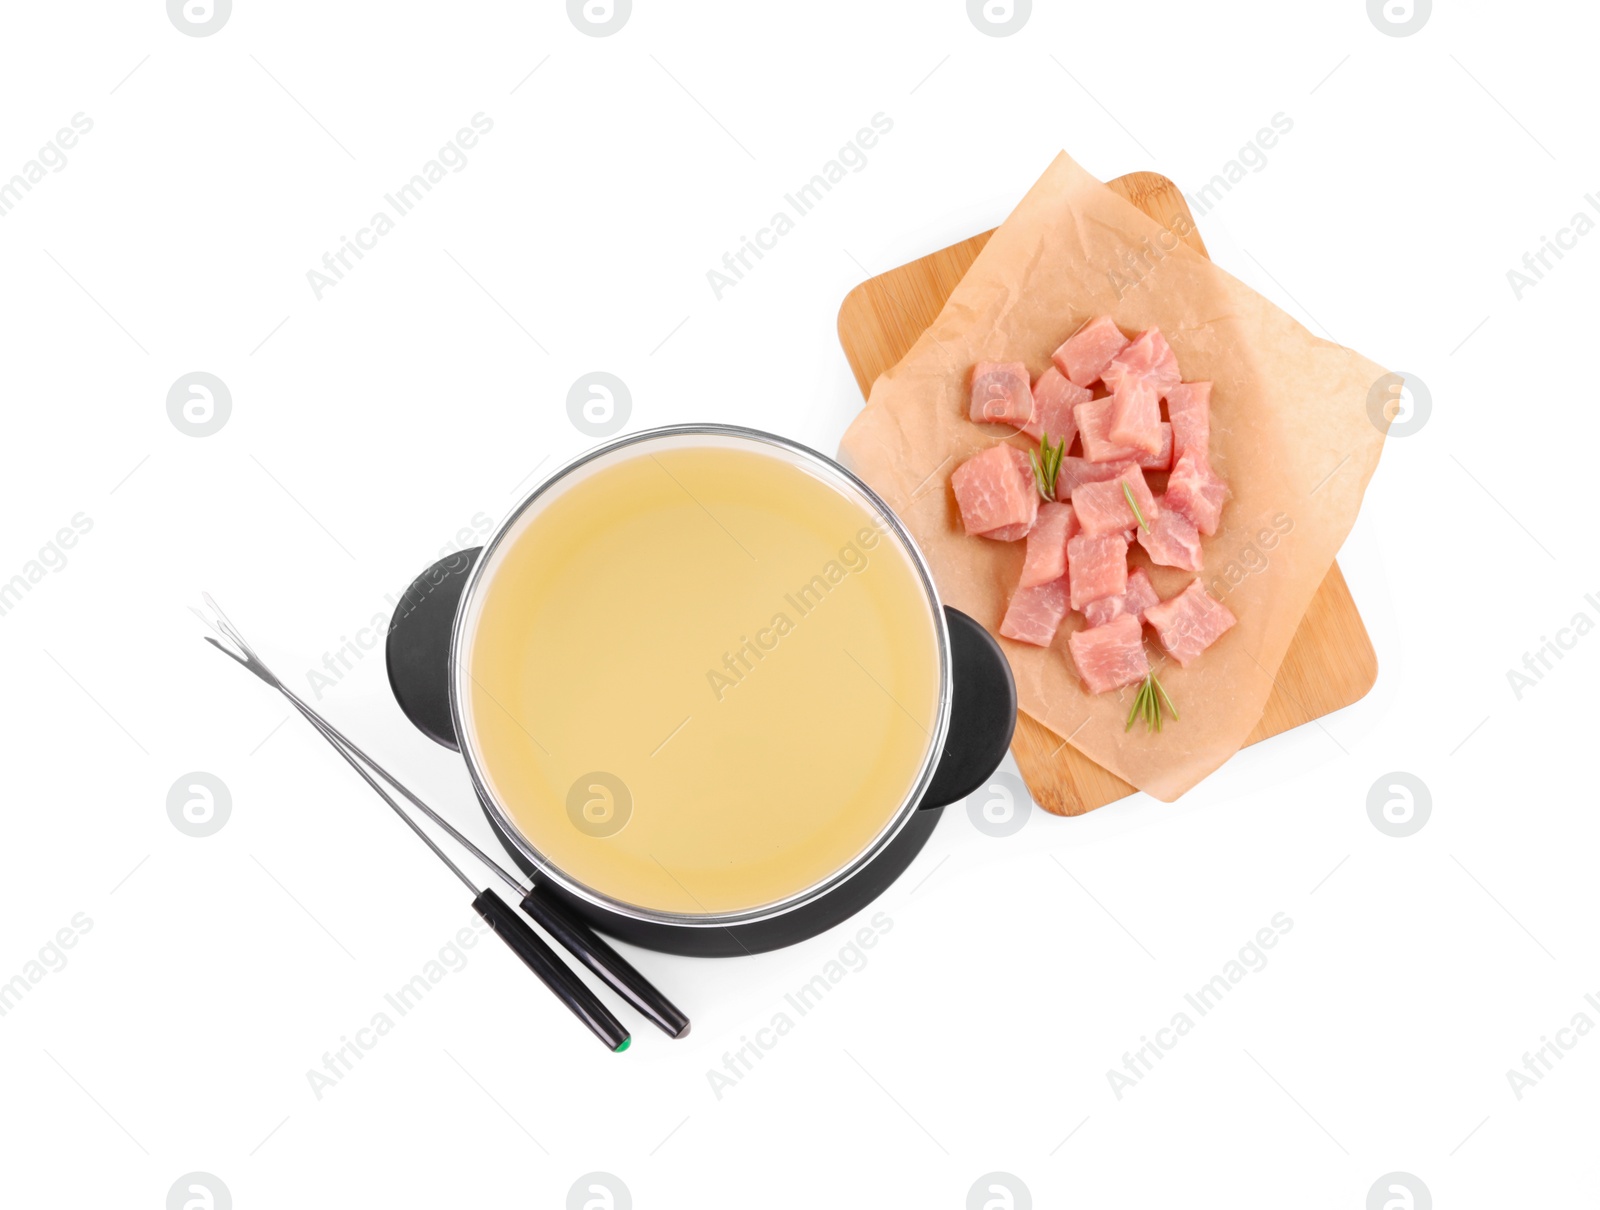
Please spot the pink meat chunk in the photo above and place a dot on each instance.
(1189, 623)
(1098, 613)
(1161, 460)
(1136, 417)
(996, 493)
(1103, 508)
(1197, 491)
(1001, 394)
(1009, 533)
(1094, 427)
(1035, 613)
(1149, 359)
(1103, 610)
(1110, 656)
(1075, 472)
(1084, 356)
(1172, 542)
(1054, 397)
(1097, 567)
(1189, 405)
(1046, 556)
(1140, 595)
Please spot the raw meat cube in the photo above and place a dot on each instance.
(1161, 460)
(1148, 359)
(1085, 355)
(1094, 426)
(1103, 508)
(1136, 416)
(1035, 613)
(1001, 394)
(1046, 557)
(996, 493)
(1172, 542)
(1189, 623)
(1097, 567)
(1189, 405)
(1110, 656)
(1009, 533)
(1098, 613)
(1140, 595)
(1075, 472)
(1197, 491)
(1054, 397)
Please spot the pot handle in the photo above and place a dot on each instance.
(983, 712)
(417, 648)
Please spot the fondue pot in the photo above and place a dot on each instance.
(972, 705)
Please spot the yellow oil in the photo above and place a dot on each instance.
(718, 651)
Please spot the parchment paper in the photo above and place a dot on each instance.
(1290, 432)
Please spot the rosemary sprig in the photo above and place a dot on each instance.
(1046, 462)
(1148, 703)
(1134, 504)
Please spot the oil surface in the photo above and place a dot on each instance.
(703, 679)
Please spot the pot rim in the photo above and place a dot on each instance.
(509, 827)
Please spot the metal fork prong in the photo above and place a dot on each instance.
(208, 623)
(235, 644)
(238, 659)
(359, 760)
(230, 632)
(347, 748)
(212, 602)
(251, 665)
(227, 645)
(224, 625)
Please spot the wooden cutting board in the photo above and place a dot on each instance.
(1329, 665)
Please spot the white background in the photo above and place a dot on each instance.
(371, 426)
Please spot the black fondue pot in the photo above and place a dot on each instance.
(977, 716)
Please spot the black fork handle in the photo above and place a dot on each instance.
(584, 944)
(542, 961)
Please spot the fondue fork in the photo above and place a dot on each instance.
(571, 933)
(504, 922)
